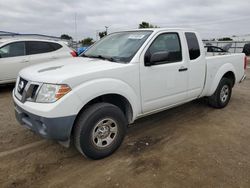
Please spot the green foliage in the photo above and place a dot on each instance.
(225, 39)
(102, 34)
(147, 25)
(66, 37)
(87, 41)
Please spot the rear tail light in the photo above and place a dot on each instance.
(245, 63)
(73, 53)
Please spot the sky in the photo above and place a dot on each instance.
(85, 18)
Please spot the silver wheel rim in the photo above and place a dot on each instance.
(224, 93)
(104, 133)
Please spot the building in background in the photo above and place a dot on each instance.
(6, 34)
(241, 38)
(236, 44)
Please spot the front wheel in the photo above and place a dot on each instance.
(99, 130)
(222, 95)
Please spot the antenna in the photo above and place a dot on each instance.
(75, 30)
(106, 27)
(97, 35)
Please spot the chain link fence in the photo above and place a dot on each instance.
(236, 46)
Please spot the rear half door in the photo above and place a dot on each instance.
(197, 65)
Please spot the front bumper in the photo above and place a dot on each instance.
(52, 128)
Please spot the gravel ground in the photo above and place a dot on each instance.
(189, 146)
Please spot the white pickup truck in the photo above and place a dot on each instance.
(123, 77)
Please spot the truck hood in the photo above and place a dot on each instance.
(63, 70)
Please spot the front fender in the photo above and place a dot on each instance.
(220, 73)
(94, 88)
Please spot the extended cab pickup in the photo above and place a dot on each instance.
(124, 76)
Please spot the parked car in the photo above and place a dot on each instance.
(16, 54)
(81, 50)
(124, 76)
(246, 49)
(214, 50)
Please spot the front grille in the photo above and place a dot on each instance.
(31, 92)
(34, 91)
(26, 90)
(21, 85)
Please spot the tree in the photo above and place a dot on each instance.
(102, 34)
(87, 41)
(225, 39)
(147, 25)
(66, 37)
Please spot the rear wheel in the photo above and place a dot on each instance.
(222, 95)
(99, 130)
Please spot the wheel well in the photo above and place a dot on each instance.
(116, 100)
(230, 75)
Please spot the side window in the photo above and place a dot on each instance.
(193, 46)
(38, 47)
(166, 48)
(13, 50)
(56, 46)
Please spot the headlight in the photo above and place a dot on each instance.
(50, 93)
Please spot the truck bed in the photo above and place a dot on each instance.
(216, 66)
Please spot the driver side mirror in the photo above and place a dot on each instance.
(156, 57)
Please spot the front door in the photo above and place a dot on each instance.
(12, 60)
(164, 83)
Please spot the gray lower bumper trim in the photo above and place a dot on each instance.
(52, 128)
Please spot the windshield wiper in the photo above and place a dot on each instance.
(100, 57)
(106, 58)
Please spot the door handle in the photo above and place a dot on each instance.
(182, 69)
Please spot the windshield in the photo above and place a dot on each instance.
(118, 47)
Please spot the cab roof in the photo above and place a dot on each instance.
(162, 29)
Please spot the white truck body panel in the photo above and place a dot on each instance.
(89, 75)
(217, 66)
(148, 89)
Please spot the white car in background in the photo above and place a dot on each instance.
(16, 54)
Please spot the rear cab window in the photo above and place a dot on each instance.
(193, 45)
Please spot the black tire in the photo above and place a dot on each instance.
(92, 117)
(216, 100)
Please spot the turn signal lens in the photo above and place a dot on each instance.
(63, 90)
